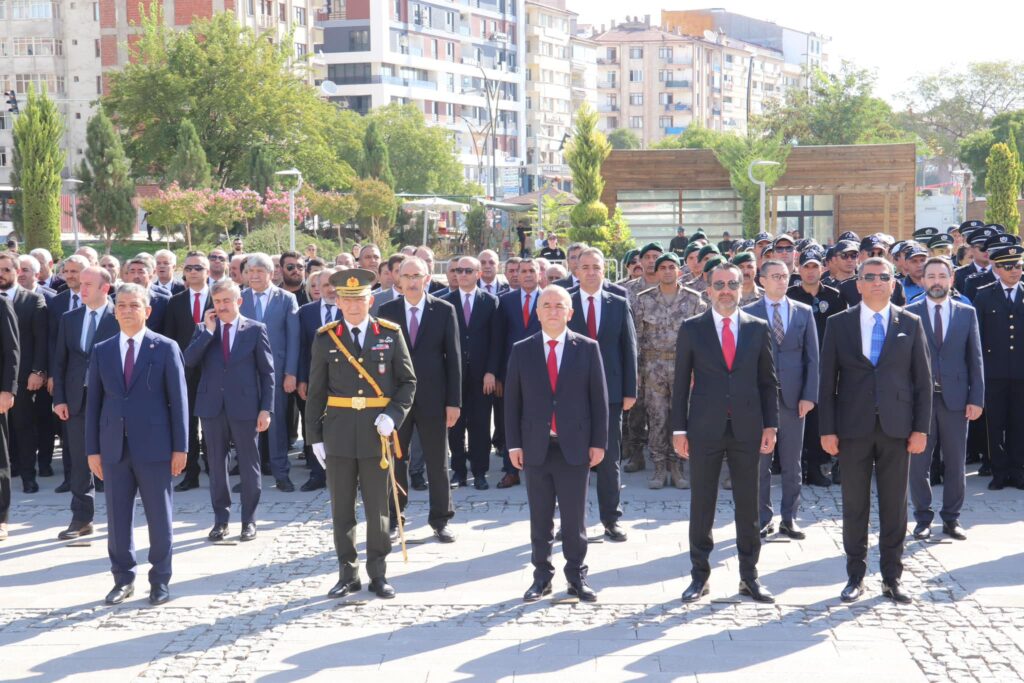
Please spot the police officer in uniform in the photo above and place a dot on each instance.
(361, 387)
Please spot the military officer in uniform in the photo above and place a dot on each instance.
(634, 433)
(361, 387)
(750, 292)
(658, 314)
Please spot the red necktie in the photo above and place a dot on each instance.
(553, 376)
(196, 315)
(526, 311)
(728, 343)
(225, 341)
(591, 319)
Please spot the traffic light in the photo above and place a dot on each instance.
(12, 101)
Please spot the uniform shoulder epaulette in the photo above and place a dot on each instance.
(647, 290)
(987, 285)
(388, 324)
(328, 326)
(691, 291)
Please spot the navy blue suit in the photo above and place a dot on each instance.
(509, 329)
(135, 427)
(229, 398)
(616, 336)
(69, 366)
(310, 320)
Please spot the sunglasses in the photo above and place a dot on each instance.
(193, 269)
(847, 255)
(784, 250)
(731, 284)
(291, 267)
(217, 258)
(464, 271)
(1009, 266)
(873, 277)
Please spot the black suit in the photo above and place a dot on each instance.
(848, 289)
(69, 368)
(33, 329)
(606, 285)
(873, 409)
(508, 330)
(725, 419)
(174, 287)
(179, 325)
(479, 357)
(438, 367)
(557, 468)
(616, 337)
(9, 354)
(962, 273)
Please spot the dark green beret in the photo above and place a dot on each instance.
(650, 246)
(742, 257)
(629, 256)
(707, 249)
(666, 257)
(712, 262)
(699, 235)
(690, 248)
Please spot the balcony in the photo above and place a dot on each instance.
(607, 108)
(677, 84)
(607, 60)
(677, 106)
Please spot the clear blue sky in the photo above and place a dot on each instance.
(897, 38)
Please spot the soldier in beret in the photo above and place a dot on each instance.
(749, 292)
(634, 433)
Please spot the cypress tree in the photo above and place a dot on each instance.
(188, 167)
(37, 165)
(105, 198)
(376, 161)
(1002, 186)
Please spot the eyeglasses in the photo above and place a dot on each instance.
(847, 255)
(1009, 266)
(731, 284)
(294, 266)
(784, 250)
(194, 269)
(778, 277)
(872, 277)
(464, 271)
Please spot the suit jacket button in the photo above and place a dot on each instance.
(360, 392)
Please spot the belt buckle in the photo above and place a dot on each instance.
(358, 402)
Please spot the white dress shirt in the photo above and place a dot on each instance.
(362, 330)
(462, 299)
(203, 294)
(493, 285)
(533, 298)
(138, 337)
(735, 325)
(88, 320)
(559, 347)
(327, 312)
(783, 303)
(419, 311)
(945, 312)
(1012, 292)
(867, 324)
(10, 293)
(72, 303)
(231, 332)
(585, 300)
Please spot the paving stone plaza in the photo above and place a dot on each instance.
(257, 612)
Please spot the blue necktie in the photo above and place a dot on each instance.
(259, 307)
(877, 338)
(90, 333)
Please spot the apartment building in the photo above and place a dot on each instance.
(461, 61)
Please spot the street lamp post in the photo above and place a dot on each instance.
(491, 97)
(291, 201)
(760, 184)
(73, 184)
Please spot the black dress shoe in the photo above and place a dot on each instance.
(614, 532)
(837, 475)
(419, 482)
(696, 590)
(985, 470)
(816, 478)
(285, 485)
(480, 483)
(996, 484)
(343, 588)
(312, 485)
(30, 487)
(444, 534)
(381, 588)
(119, 594)
(218, 532)
(75, 530)
(248, 532)
(509, 480)
(853, 590)
(895, 593)
(99, 486)
(791, 530)
(756, 591)
(954, 530)
(767, 530)
(65, 486)
(45, 471)
(159, 594)
(187, 484)
(582, 591)
(537, 591)
(922, 531)
(459, 480)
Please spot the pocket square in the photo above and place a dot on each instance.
(902, 334)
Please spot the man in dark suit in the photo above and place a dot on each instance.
(794, 340)
(556, 419)
(45, 275)
(46, 423)
(431, 332)
(136, 435)
(33, 364)
(572, 279)
(875, 412)
(312, 317)
(516, 320)
(139, 271)
(9, 354)
(164, 276)
(734, 416)
(79, 332)
(605, 317)
(475, 310)
(954, 346)
(185, 313)
(235, 401)
(489, 280)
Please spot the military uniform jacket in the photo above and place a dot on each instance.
(658, 319)
(1001, 326)
(347, 432)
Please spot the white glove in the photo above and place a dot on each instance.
(385, 425)
(320, 453)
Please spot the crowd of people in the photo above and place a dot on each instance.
(774, 355)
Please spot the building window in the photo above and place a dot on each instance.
(449, 51)
(97, 45)
(664, 122)
(99, 85)
(664, 98)
(636, 53)
(3, 157)
(612, 78)
(636, 122)
(300, 16)
(95, 11)
(812, 215)
(33, 9)
(300, 50)
(611, 54)
(728, 59)
(359, 41)
(636, 76)
(664, 75)
(636, 99)
(665, 53)
(250, 7)
(652, 213)
(613, 122)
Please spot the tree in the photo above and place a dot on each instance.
(623, 138)
(37, 164)
(555, 217)
(476, 223)
(333, 207)
(974, 149)
(105, 199)
(376, 162)
(177, 206)
(188, 166)
(585, 153)
(423, 158)
(1002, 188)
(261, 174)
(238, 89)
(375, 199)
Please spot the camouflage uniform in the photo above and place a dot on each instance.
(658, 318)
(634, 432)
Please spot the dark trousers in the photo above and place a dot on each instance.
(948, 432)
(789, 447)
(433, 437)
(814, 456)
(220, 433)
(498, 440)
(80, 479)
(152, 482)
(277, 435)
(1003, 399)
(5, 471)
(609, 475)
(344, 475)
(46, 427)
(556, 481)
(475, 422)
(25, 435)
(706, 457)
(887, 456)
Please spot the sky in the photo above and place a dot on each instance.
(897, 38)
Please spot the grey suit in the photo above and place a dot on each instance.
(796, 362)
(381, 298)
(959, 378)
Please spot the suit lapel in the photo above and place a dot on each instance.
(570, 357)
(606, 305)
(895, 322)
(711, 333)
(143, 358)
(929, 321)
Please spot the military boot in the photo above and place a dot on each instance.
(634, 464)
(657, 479)
(679, 473)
